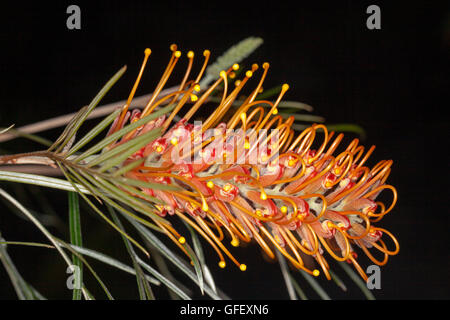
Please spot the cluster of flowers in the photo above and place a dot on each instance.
(248, 174)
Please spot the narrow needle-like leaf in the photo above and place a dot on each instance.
(91, 107)
(38, 180)
(286, 276)
(145, 291)
(117, 135)
(356, 278)
(75, 237)
(93, 133)
(315, 285)
(150, 237)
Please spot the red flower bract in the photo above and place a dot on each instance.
(253, 178)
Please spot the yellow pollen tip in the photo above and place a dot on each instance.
(177, 54)
(174, 141)
(283, 209)
(237, 82)
(292, 162)
(182, 240)
(275, 111)
(206, 53)
(232, 75)
(190, 54)
(205, 207)
(285, 87)
(147, 52)
(249, 74)
(316, 273)
(223, 74)
(243, 267)
(235, 242)
(194, 98)
(197, 88)
(263, 196)
(173, 47)
(210, 184)
(159, 149)
(227, 187)
(222, 264)
(329, 225)
(246, 145)
(235, 67)
(265, 65)
(258, 212)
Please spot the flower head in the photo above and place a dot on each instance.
(247, 174)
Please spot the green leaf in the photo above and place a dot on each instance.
(145, 291)
(269, 93)
(68, 128)
(197, 266)
(75, 236)
(338, 280)
(39, 180)
(297, 288)
(303, 117)
(357, 279)
(286, 276)
(111, 262)
(315, 285)
(94, 132)
(294, 105)
(120, 195)
(91, 107)
(234, 54)
(17, 281)
(119, 154)
(39, 225)
(149, 185)
(102, 215)
(118, 134)
(88, 266)
(128, 167)
(347, 127)
(136, 192)
(164, 280)
(164, 250)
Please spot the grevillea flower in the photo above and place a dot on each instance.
(248, 175)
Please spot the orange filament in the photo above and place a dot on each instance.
(147, 53)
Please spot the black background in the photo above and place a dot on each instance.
(391, 81)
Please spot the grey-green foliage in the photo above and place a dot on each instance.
(235, 54)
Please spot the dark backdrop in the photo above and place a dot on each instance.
(389, 81)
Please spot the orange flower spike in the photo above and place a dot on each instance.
(293, 191)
